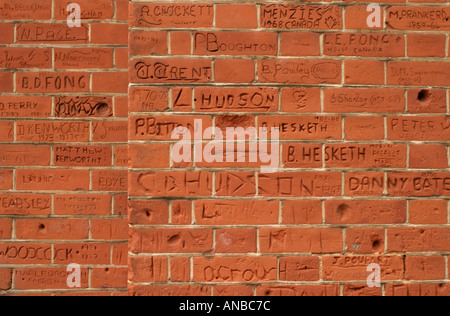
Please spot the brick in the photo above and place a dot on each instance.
(82, 204)
(148, 99)
(236, 240)
(288, 184)
(176, 184)
(355, 68)
(292, 17)
(306, 127)
(426, 101)
(83, 106)
(298, 290)
(47, 229)
(418, 184)
(302, 155)
(235, 184)
(361, 290)
(234, 71)
(418, 239)
(25, 253)
(174, 15)
(52, 131)
(181, 212)
(407, 73)
(27, 10)
(120, 254)
(365, 156)
(236, 16)
(170, 240)
(121, 156)
(23, 106)
(82, 156)
(109, 229)
(121, 58)
(52, 82)
(419, 18)
(364, 128)
(122, 10)
(356, 18)
(418, 128)
(5, 279)
(157, 70)
(83, 58)
(428, 156)
(6, 179)
(148, 269)
(5, 228)
(212, 212)
(299, 269)
(7, 131)
(45, 278)
(360, 100)
(148, 43)
(237, 269)
(121, 204)
(7, 81)
(52, 180)
(151, 156)
(408, 289)
(44, 33)
(180, 43)
(424, 267)
(7, 30)
(307, 240)
(109, 278)
(364, 183)
(233, 290)
(108, 33)
(172, 290)
(426, 45)
(364, 44)
(297, 212)
(235, 43)
(307, 71)
(22, 58)
(300, 44)
(111, 82)
(180, 269)
(365, 212)
(428, 212)
(148, 212)
(25, 204)
(251, 99)
(109, 131)
(365, 240)
(92, 253)
(24, 155)
(354, 268)
(300, 100)
(98, 10)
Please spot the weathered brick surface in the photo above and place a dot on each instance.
(88, 117)
(60, 132)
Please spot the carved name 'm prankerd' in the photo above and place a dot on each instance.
(301, 17)
(172, 71)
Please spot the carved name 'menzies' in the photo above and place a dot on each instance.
(183, 71)
(301, 17)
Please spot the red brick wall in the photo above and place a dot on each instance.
(364, 160)
(363, 174)
(63, 152)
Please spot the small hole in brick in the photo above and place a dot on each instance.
(102, 108)
(424, 96)
(376, 245)
(41, 226)
(106, 270)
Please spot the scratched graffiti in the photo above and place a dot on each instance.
(83, 106)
